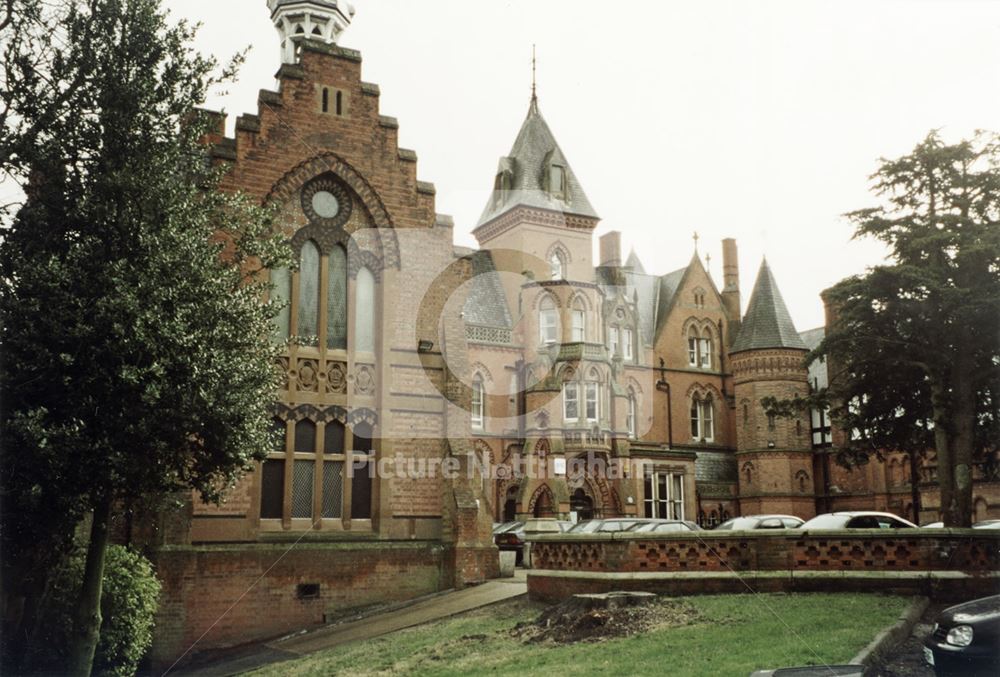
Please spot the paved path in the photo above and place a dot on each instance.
(417, 613)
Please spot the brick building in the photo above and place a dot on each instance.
(527, 366)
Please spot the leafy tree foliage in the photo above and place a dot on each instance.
(136, 358)
(914, 347)
(128, 603)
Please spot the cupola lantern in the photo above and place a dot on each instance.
(297, 20)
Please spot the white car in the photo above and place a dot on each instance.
(857, 519)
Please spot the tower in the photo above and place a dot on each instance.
(297, 20)
(774, 458)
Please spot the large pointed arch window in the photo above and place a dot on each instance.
(336, 300)
(307, 326)
(364, 319)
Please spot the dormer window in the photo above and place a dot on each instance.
(501, 186)
(557, 181)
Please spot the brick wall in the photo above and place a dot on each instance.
(941, 562)
(238, 594)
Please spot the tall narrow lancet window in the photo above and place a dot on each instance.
(557, 266)
(308, 308)
(478, 403)
(336, 300)
(281, 294)
(548, 321)
(579, 322)
(364, 319)
(630, 415)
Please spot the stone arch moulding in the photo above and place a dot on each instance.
(482, 370)
(546, 295)
(582, 298)
(542, 490)
(284, 190)
(362, 415)
(702, 389)
(558, 247)
(700, 324)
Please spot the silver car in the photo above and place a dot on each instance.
(857, 519)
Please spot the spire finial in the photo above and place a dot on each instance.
(696, 237)
(534, 89)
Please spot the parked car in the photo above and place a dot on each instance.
(605, 525)
(857, 519)
(663, 526)
(510, 536)
(966, 639)
(748, 522)
(985, 524)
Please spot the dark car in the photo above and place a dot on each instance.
(966, 639)
(860, 519)
(748, 522)
(510, 536)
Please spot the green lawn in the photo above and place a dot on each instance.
(733, 635)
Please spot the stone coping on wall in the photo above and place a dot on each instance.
(938, 562)
(827, 534)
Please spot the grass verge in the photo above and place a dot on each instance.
(728, 635)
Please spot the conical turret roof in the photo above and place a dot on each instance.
(767, 323)
(527, 170)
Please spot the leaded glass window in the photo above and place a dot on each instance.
(336, 300)
(364, 329)
(308, 308)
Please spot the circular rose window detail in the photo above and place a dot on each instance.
(325, 200)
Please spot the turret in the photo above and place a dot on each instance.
(774, 455)
(297, 20)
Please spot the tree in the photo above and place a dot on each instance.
(914, 346)
(136, 358)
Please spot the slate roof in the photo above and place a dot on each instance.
(767, 323)
(486, 305)
(818, 375)
(534, 150)
(634, 263)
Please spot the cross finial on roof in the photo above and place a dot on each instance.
(708, 261)
(534, 89)
(696, 238)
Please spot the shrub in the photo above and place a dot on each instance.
(128, 602)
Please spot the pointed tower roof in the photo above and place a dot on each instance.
(634, 263)
(523, 177)
(767, 323)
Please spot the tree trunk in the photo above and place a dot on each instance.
(942, 445)
(915, 485)
(963, 438)
(87, 625)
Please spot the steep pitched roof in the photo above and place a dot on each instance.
(486, 304)
(534, 151)
(767, 323)
(634, 263)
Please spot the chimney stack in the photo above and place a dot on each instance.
(731, 288)
(611, 249)
(730, 266)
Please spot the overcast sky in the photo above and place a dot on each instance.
(754, 120)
